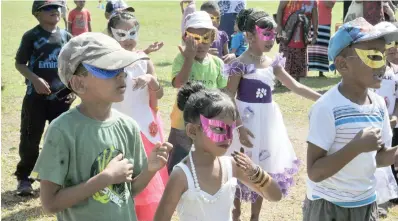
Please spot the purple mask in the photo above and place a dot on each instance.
(225, 130)
(266, 34)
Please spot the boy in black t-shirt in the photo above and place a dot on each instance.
(115, 5)
(46, 96)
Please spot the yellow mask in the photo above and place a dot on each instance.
(214, 18)
(205, 39)
(392, 44)
(372, 58)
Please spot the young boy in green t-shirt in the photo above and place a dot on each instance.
(93, 162)
(194, 63)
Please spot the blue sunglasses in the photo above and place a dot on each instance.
(50, 8)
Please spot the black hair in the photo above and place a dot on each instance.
(121, 16)
(195, 100)
(247, 20)
(209, 5)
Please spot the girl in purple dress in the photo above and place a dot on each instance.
(252, 79)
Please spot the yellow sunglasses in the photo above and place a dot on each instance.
(214, 18)
(371, 58)
(391, 45)
(204, 39)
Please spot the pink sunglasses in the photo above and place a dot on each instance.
(266, 34)
(209, 125)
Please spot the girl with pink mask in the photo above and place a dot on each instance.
(202, 186)
(260, 126)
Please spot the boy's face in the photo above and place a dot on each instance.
(49, 14)
(203, 48)
(215, 17)
(104, 90)
(392, 52)
(80, 4)
(365, 64)
(236, 27)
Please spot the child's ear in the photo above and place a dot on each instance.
(341, 64)
(77, 84)
(250, 37)
(191, 130)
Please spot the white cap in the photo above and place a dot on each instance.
(199, 19)
(389, 31)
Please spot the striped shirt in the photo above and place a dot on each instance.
(334, 122)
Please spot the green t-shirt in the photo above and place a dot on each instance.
(77, 148)
(209, 73)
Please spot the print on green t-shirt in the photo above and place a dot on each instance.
(117, 193)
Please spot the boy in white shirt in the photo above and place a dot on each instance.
(350, 133)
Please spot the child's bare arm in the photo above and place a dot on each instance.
(189, 54)
(321, 166)
(141, 181)
(233, 50)
(156, 161)
(55, 199)
(156, 91)
(175, 187)
(26, 72)
(225, 49)
(386, 157)
(183, 76)
(89, 26)
(294, 86)
(269, 191)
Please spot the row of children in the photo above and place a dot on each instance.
(98, 159)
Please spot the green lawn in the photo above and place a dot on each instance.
(160, 21)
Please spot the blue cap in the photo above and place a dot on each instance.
(359, 30)
(102, 73)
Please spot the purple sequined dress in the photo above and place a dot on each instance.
(272, 148)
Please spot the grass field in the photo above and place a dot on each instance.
(160, 21)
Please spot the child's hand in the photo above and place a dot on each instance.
(368, 139)
(190, 48)
(244, 134)
(159, 155)
(228, 58)
(119, 170)
(393, 121)
(314, 38)
(279, 30)
(244, 162)
(41, 86)
(142, 81)
(156, 46)
(213, 51)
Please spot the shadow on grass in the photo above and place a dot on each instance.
(163, 64)
(24, 214)
(9, 199)
(315, 83)
(164, 83)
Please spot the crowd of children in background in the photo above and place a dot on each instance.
(107, 159)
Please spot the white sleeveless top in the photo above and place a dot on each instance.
(136, 103)
(197, 205)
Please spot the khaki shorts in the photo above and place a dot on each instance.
(322, 210)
